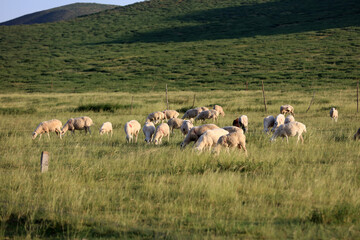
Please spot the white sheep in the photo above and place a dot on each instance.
(357, 135)
(196, 132)
(175, 123)
(279, 120)
(208, 114)
(209, 139)
(232, 140)
(148, 130)
(192, 113)
(132, 129)
(284, 109)
(290, 130)
(107, 128)
(52, 125)
(231, 129)
(79, 123)
(161, 131)
(220, 110)
(242, 122)
(186, 126)
(269, 122)
(289, 118)
(170, 114)
(334, 114)
(155, 117)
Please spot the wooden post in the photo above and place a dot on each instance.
(44, 162)
(193, 101)
(357, 97)
(311, 102)
(262, 82)
(132, 100)
(246, 84)
(167, 100)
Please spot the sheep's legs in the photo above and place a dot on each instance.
(48, 135)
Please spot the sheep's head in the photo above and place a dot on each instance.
(34, 135)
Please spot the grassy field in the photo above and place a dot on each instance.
(99, 186)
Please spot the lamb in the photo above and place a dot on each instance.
(334, 114)
(148, 130)
(175, 123)
(196, 132)
(155, 117)
(209, 139)
(186, 126)
(132, 129)
(241, 122)
(192, 113)
(208, 114)
(284, 109)
(232, 140)
(289, 118)
(220, 110)
(170, 114)
(79, 123)
(357, 135)
(52, 125)
(161, 131)
(269, 122)
(106, 128)
(290, 130)
(279, 120)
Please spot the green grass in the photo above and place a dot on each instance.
(101, 187)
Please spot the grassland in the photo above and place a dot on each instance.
(101, 187)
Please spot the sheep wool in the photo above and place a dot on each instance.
(186, 126)
(289, 118)
(334, 114)
(170, 114)
(132, 129)
(174, 123)
(290, 130)
(161, 131)
(52, 125)
(269, 122)
(232, 140)
(209, 139)
(107, 128)
(220, 110)
(284, 109)
(196, 132)
(279, 120)
(148, 130)
(79, 123)
(242, 122)
(357, 134)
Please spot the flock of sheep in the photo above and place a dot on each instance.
(206, 136)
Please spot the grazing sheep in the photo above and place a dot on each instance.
(196, 132)
(186, 126)
(148, 130)
(209, 139)
(241, 122)
(52, 125)
(231, 129)
(220, 110)
(106, 128)
(284, 109)
(170, 114)
(334, 114)
(155, 117)
(79, 123)
(161, 131)
(232, 140)
(174, 123)
(289, 118)
(132, 129)
(192, 113)
(290, 130)
(357, 134)
(208, 114)
(279, 120)
(269, 122)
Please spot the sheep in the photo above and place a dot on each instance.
(155, 117)
(186, 126)
(290, 130)
(174, 123)
(196, 132)
(106, 128)
(231, 129)
(208, 114)
(192, 113)
(334, 114)
(232, 140)
(148, 130)
(289, 118)
(357, 135)
(241, 122)
(161, 131)
(284, 109)
(269, 122)
(279, 120)
(220, 110)
(79, 123)
(209, 139)
(132, 129)
(52, 125)
(170, 114)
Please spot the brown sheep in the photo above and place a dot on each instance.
(232, 140)
(196, 132)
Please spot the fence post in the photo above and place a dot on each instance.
(357, 97)
(262, 82)
(44, 162)
(167, 100)
(193, 101)
(132, 99)
(311, 101)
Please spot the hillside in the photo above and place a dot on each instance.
(190, 45)
(63, 13)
